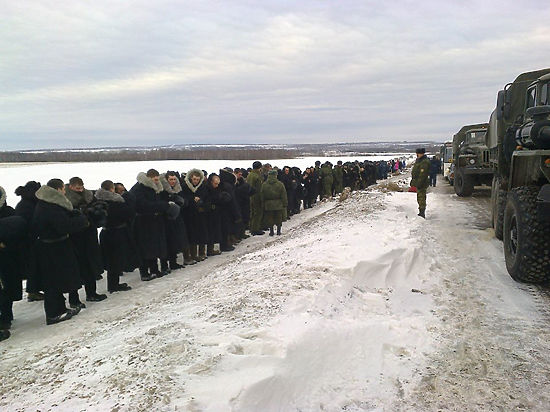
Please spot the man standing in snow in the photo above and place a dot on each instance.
(420, 173)
(255, 180)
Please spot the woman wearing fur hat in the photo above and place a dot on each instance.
(194, 190)
(55, 263)
(176, 232)
(149, 229)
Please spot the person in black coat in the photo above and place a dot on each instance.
(310, 187)
(117, 246)
(176, 232)
(289, 181)
(55, 261)
(217, 198)
(149, 228)
(244, 191)
(435, 169)
(196, 215)
(86, 242)
(11, 264)
(230, 211)
(25, 209)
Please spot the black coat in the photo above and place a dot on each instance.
(12, 236)
(230, 211)
(117, 245)
(86, 241)
(149, 228)
(55, 261)
(196, 215)
(244, 191)
(217, 199)
(176, 231)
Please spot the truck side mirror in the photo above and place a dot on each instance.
(501, 97)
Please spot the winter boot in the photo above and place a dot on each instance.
(174, 265)
(210, 251)
(271, 231)
(145, 276)
(60, 318)
(4, 334)
(202, 252)
(194, 256)
(257, 233)
(421, 213)
(97, 297)
(226, 246)
(164, 267)
(187, 259)
(278, 230)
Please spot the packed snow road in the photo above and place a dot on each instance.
(360, 305)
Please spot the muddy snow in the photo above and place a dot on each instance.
(359, 305)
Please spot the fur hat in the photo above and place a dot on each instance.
(173, 211)
(420, 150)
(257, 165)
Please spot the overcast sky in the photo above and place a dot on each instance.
(120, 72)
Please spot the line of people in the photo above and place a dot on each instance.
(51, 237)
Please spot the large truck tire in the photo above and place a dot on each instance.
(526, 237)
(498, 204)
(463, 184)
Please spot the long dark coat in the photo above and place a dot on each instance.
(149, 228)
(13, 237)
(217, 199)
(85, 241)
(230, 211)
(116, 242)
(244, 191)
(196, 215)
(176, 231)
(55, 261)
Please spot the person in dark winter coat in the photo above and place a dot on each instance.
(176, 232)
(25, 209)
(274, 201)
(55, 261)
(289, 181)
(11, 265)
(196, 215)
(244, 191)
(86, 242)
(117, 246)
(231, 214)
(149, 226)
(217, 199)
(435, 169)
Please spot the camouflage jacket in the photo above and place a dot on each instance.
(420, 173)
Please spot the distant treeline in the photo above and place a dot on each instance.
(126, 155)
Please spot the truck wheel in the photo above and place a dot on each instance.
(526, 237)
(498, 203)
(463, 184)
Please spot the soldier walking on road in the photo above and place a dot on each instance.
(420, 174)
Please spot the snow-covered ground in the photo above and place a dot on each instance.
(360, 305)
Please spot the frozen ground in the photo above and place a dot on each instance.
(360, 305)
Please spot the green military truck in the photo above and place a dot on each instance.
(471, 159)
(519, 141)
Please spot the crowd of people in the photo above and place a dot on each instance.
(164, 222)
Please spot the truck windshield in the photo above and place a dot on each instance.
(476, 137)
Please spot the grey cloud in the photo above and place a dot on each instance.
(211, 71)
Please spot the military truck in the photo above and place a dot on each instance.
(519, 141)
(471, 159)
(446, 156)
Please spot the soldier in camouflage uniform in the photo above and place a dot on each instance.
(338, 176)
(255, 180)
(420, 174)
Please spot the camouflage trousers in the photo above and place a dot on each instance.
(421, 199)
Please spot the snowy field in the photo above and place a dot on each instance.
(360, 305)
(17, 174)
